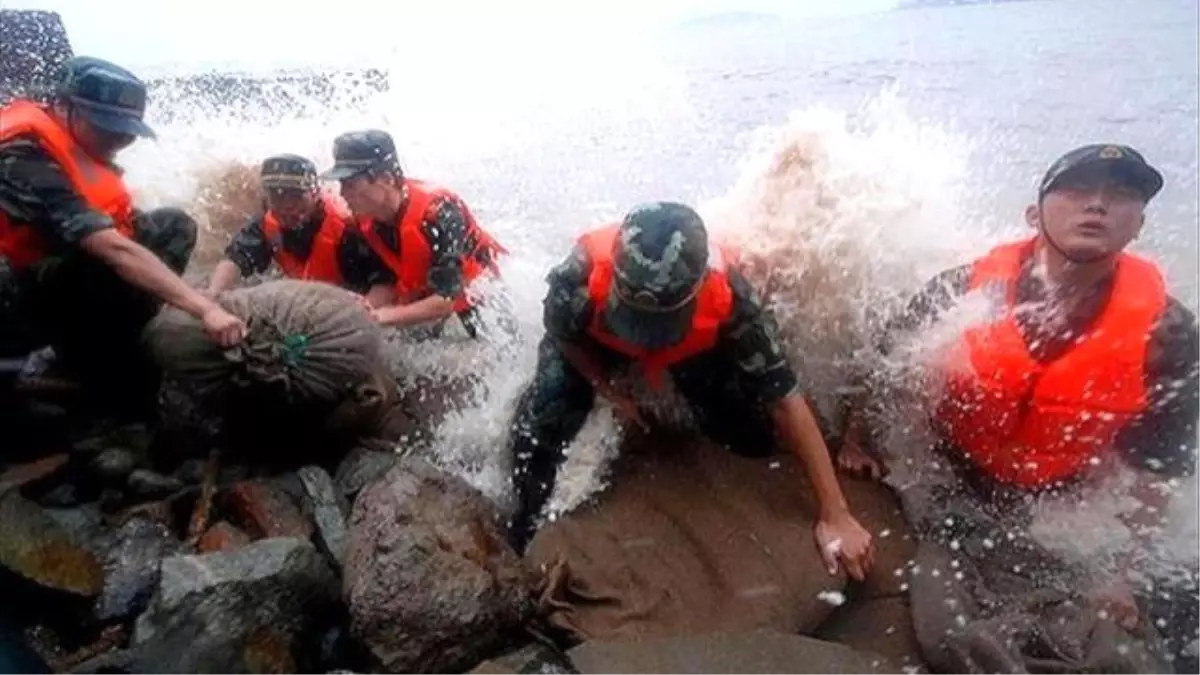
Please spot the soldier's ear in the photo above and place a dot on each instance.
(1033, 216)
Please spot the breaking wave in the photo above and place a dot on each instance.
(841, 214)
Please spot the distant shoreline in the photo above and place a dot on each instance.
(925, 4)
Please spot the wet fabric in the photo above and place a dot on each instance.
(310, 347)
(251, 251)
(1163, 439)
(91, 316)
(690, 539)
(987, 598)
(554, 407)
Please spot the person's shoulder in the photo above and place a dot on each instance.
(24, 148)
(1176, 331)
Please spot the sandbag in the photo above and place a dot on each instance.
(308, 344)
(690, 539)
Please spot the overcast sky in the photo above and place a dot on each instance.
(151, 32)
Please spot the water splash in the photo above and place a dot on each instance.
(841, 216)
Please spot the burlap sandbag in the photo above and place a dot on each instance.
(310, 347)
(690, 539)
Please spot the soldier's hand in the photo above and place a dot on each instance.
(224, 328)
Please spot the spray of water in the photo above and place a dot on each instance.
(840, 217)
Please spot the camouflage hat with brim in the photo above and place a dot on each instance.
(1122, 163)
(288, 172)
(108, 96)
(660, 260)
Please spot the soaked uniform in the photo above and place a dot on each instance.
(978, 518)
(69, 299)
(727, 387)
(446, 231)
(433, 245)
(1163, 438)
(251, 250)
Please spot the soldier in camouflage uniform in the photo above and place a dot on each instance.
(653, 291)
(80, 269)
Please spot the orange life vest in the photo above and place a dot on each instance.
(1036, 423)
(322, 262)
(95, 181)
(411, 265)
(714, 306)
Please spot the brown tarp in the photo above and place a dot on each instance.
(987, 598)
(689, 540)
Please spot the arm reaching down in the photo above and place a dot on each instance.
(428, 309)
(839, 535)
(141, 268)
(223, 277)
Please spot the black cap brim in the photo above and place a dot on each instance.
(652, 330)
(348, 169)
(114, 121)
(1134, 173)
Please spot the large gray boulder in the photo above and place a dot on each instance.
(431, 584)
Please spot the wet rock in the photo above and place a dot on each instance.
(152, 485)
(36, 549)
(532, 658)
(116, 661)
(430, 582)
(191, 471)
(132, 567)
(16, 654)
(63, 496)
(222, 537)
(263, 510)
(754, 652)
(256, 609)
(135, 438)
(328, 511)
(115, 464)
(360, 467)
(30, 472)
(84, 525)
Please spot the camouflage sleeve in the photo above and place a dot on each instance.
(248, 249)
(567, 307)
(446, 230)
(361, 268)
(753, 339)
(34, 189)
(937, 296)
(1163, 439)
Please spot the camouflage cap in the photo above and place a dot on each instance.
(288, 172)
(107, 95)
(660, 260)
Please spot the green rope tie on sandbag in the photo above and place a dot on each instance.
(294, 348)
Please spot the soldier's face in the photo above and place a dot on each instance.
(1090, 214)
(98, 142)
(292, 207)
(368, 195)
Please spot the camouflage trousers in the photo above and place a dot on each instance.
(92, 317)
(556, 404)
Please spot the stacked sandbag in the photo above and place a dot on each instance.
(692, 540)
(312, 355)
